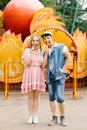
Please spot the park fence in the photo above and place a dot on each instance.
(11, 78)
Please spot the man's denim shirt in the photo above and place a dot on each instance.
(56, 60)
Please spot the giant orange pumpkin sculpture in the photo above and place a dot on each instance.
(18, 15)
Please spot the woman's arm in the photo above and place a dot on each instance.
(26, 57)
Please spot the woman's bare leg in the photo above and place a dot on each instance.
(36, 101)
(30, 101)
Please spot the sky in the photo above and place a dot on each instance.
(83, 2)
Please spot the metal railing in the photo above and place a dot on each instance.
(8, 84)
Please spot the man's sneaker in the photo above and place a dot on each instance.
(54, 121)
(30, 119)
(35, 119)
(63, 121)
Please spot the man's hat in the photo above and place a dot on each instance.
(46, 34)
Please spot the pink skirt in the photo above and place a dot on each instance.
(33, 79)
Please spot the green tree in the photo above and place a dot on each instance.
(3, 3)
(71, 12)
(52, 4)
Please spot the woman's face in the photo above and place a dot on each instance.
(35, 42)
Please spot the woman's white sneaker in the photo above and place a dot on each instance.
(30, 119)
(35, 119)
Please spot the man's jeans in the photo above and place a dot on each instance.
(56, 90)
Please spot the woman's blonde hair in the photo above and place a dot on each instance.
(39, 38)
(35, 35)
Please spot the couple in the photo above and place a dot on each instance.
(56, 58)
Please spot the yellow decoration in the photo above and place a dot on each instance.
(81, 41)
(11, 52)
(1, 18)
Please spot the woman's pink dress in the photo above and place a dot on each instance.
(33, 77)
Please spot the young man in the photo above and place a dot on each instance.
(56, 60)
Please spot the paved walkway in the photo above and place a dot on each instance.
(13, 114)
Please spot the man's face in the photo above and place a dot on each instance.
(48, 41)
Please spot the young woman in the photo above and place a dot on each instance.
(33, 79)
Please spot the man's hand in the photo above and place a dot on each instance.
(45, 49)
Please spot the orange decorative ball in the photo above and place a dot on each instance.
(18, 15)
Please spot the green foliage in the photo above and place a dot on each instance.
(3, 3)
(71, 11)
(48, 3)
(83, 25)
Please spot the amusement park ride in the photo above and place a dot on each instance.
(22, 21)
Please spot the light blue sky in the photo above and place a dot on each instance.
(83, 2)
